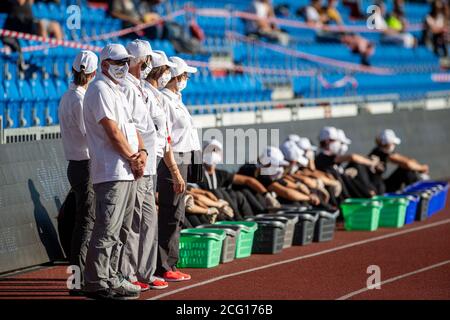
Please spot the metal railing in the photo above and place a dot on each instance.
(218, 110)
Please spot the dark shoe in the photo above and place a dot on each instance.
(105, 294)
(76, 293)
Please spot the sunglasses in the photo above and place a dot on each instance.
(119, 62)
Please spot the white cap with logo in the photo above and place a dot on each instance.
(161, 60)
(114, 51)
(342, 137)
(388, 136)
(328, 133)
(272, 156)
(140, 48)
(86, 61)
(180, 67)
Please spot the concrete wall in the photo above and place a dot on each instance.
(33, 181)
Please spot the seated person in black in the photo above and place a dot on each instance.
(330, 158)
(270, 171)
(408, 170)
(245, 194)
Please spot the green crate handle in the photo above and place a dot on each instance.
(200, 234)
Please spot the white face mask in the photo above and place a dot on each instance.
(212, 158)
(334, 147)
(344, 149)
(181, 85)
(279, 172)
(389, 149)
(145, 72)
(294, 168)
(164, 80)
(118, 73)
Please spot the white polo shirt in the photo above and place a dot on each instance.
(182, 132)
(71, 122)
(104, 99)
(139, 110)
(158, 111)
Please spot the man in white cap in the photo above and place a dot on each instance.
(329, 160)
(409, 170)
(73, 133)
(220, 182)
(117, 159)
(138, 261)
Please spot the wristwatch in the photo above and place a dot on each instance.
(145, 150)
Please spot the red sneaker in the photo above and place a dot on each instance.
(144, 286)
(171, 276)
(158, 284)
(184, 275)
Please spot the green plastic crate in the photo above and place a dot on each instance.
(200, 249)
(393, 212)
(361, 214)
(244, 243)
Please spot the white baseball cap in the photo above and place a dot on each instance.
(273, 156)
(328, 133)
(140, 48)
(161, 60)
(342, 137)
(114, 51)
(213, 145)
(306, 145)
(294, 137)
(86, 61)
(180, 67)
(291, 151)
(388, 136)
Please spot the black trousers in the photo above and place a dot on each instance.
(237, 202)
(79, 179)
(400, 178)
(170, 218)
(362, 181)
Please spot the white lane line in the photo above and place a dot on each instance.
(346, 246)
(354, 293)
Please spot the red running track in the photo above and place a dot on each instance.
(414, 262)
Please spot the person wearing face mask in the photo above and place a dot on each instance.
(246, 195)
(73, 133)
(294, 177)
(318, 179)
(184, 142)
(138, 261)
(408, 171)
(329, 160)
(156, 80)
(357, 166)
(270, 171)
(117, 160)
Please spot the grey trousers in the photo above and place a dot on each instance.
(79, 178)
(114, 211)
(138, 261)
(171, 217)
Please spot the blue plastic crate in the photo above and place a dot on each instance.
(438, 192)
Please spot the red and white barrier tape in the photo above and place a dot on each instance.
(339, 83)
(222, 13)
(310, 57)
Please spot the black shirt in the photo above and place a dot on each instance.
(224, 180)
(20, 17)
(377, 151)
(325, 162)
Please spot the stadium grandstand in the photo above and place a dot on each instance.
(287, 69)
